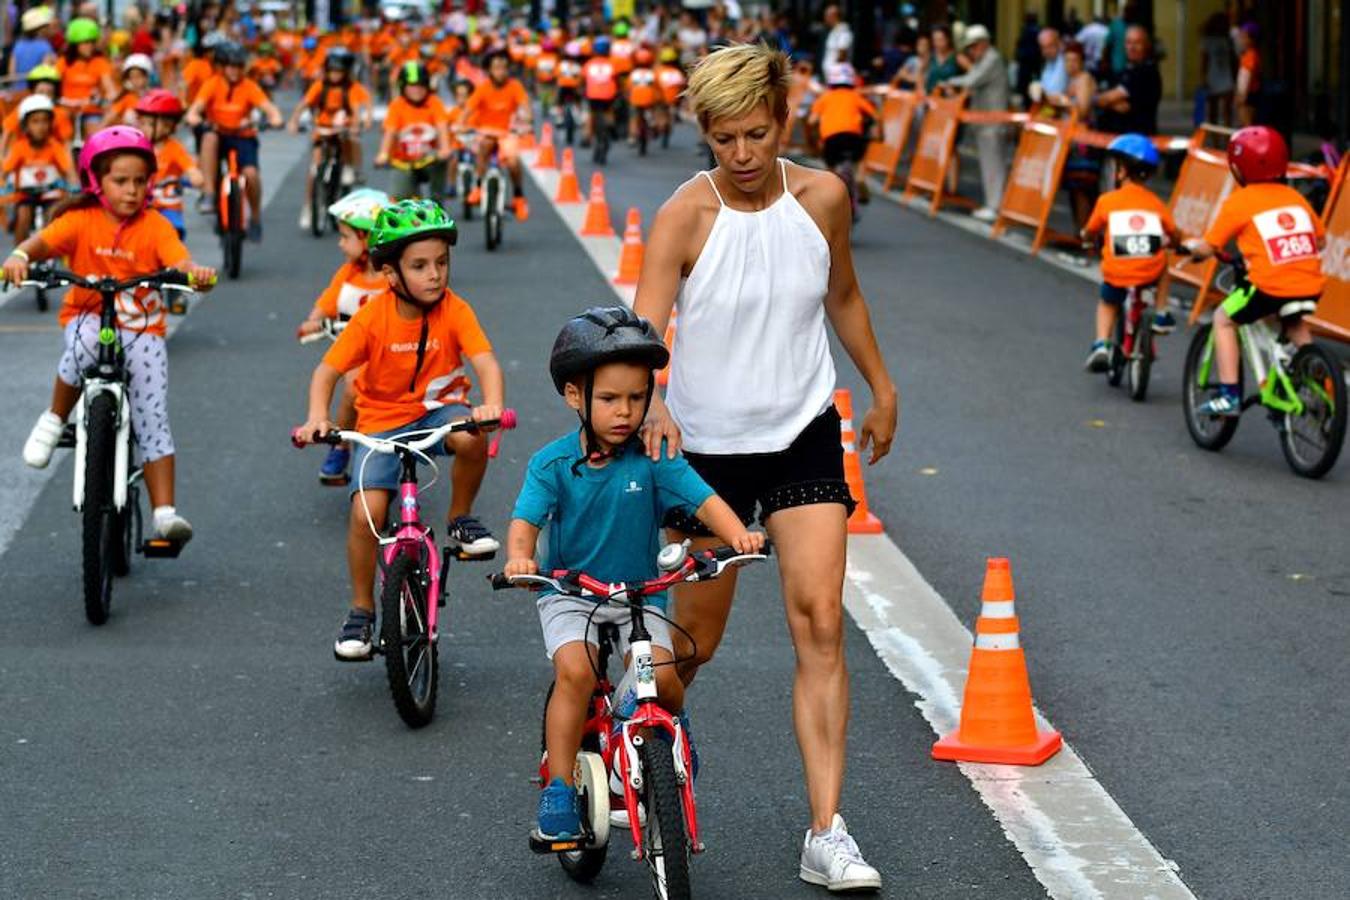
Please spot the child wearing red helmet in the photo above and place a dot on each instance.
(1280, 237)
(159, 112)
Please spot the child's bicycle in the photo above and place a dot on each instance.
(494, 186)
(651, 756)
(413, 585)
(1132, 350)
(41, 197)
(1303, 389)
(232, 209)
(327, 173)
(107, 484)
(466, 176)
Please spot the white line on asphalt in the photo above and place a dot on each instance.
(1076, 839)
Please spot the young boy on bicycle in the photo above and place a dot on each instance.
(37, 161)
(1136, 227)
(842, 114)
(340, 104)
(416, 134)
(411, 343)
(1279, 237)
(603, 500)
(495, 107)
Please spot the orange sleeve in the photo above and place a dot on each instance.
(358, 95)
(327, 302)
(60, 235)
(518, 92)
(349, 350)
(1227, 223)
(866, 106)
(1169, 223)
(312, 94)
(1097, 221)
(13, 159)
(817, 107)
(475, 99)
(469, 334)
(63, 158)
(393, 118)
(168, 247)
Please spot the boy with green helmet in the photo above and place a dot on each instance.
(410, 344)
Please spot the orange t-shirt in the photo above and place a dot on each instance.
(123, 108)
(492, 107)
(228, 106)
(416, 129)
(841, 111)
(546, 68)
(1135, 223)
(37, 167)
(672, 81)
(569, 74)
(63, 124)
(1251, 62)
(97, 244)
(602, 80)
(621, 55)
(351, 288)
(642, 90)
(1278, 234)
(83, 78)
(196, 74)
(391, 391)
(172, 162)
(336, 98)
(265, 67)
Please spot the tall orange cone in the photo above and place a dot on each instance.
(663, 376)
(597, 222)
(546, 158)
(568, 189)
(862, 521)
(630, 255)
(997, 722)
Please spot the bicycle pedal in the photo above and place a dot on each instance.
(161, 548)
(335, 480)
(542, 845)
(67, 439)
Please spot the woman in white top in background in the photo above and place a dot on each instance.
(762, 247)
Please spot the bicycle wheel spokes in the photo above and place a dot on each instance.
(1312, 438)
(409, 654)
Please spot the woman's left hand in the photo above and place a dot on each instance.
(878, 429)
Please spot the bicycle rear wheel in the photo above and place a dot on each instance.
(1140, 365)
(665, 843)
(1115, 367)
(1208, 432)
(1312, 441)
(99, 518)
(234, 234)
(410, 657)
(492, 219)
(126, 532)
(465, 189)
(318, 213)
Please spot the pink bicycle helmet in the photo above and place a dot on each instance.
(113, 139)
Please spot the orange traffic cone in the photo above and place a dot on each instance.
(568, 189)
(630, 255)
(526, 141)
(546, 158)
(663, 376)
(597, 210)
(997, 723)
(862, 521)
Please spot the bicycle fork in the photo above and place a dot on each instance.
(122, 454)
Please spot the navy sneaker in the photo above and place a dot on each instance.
(255, 232)
(558, 816)
(334, 468)
(355, 640)
(1099, 357)
(467, 535)
(1164, 322)
(1223, 406)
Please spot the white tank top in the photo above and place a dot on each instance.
(751, 366)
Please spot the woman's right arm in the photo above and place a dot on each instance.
(658, 284)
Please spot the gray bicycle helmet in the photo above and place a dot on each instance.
(230, 54)
(604, 334)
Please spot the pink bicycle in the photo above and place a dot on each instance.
(412, 586)
(651, 756)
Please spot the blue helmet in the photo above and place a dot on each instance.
(1136, 148)
(310, 42)
(601, 46)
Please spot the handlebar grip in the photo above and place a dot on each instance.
(499, 581)
(332, 438)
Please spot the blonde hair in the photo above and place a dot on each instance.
(731, 82)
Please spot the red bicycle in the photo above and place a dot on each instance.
(651, 755)
(1132, 349)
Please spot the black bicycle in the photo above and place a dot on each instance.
(327, 187)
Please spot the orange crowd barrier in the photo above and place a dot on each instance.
(1201, 187)
(1333, 310)
(1037, 167)
(936, 148)
(896, 116)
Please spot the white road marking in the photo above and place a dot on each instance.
(1076, 839)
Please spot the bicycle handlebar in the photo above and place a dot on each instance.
(700, 565)
(165, 279)
(330, 329)
(392, 444)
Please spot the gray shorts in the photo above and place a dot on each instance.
(564, 621)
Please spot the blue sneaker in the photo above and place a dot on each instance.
(1164, 322)
(1099, 357)
(558, 816)
(1222, 406)
(334, 468)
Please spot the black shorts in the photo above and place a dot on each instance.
(1249, 306)
(844, 148)
(600, 107)
(809, 471)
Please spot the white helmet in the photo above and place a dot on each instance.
(359, 208)
(35, 103)
(840, 73)
(37, 17)
(138, 61)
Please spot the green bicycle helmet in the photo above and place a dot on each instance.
(81, 31)
(412, 72)
(360, 208)
(404, 222)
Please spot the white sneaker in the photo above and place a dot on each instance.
(834, 861)
(348, 176)
(985, 214)
(170, 526)
(42, 440)
(306, 220)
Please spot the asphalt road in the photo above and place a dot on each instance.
(1183, 613)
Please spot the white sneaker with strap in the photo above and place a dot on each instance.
(42, 440)
(833, 860)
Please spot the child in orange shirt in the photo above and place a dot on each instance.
(1136, 227)
(416, 129)
(135, 81)
(1280, 239)
(159, 113)
(36, 161)
(842, 115)
(411, 343)
(108, 231)
(266, 68)
(644, 96)
(338, 104)
(670, 78)
(46, 81)
(86, 74)
(356, 281)
(497, 107)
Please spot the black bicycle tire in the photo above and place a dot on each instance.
(333, 184)
(1190, 399)
(40, 295)
(465, 189)
(99, 517)
(1115, 363)
(492, 219)
(1336, 427)
(665, 816)
(125, 526)
(235, 235)
(318, 214)
(416, 713)
(1140, 366)
(642, 134)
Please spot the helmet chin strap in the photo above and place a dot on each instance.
(591, 452)
(401, 291)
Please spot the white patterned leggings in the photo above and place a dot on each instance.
(147, 362)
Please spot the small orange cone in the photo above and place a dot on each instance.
(997, 722)
(630, 255)
(527, 141)
(862, 521)
(663, 376)
(568, 189)
(546, 158)
(597, 210)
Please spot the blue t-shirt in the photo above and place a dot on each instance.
(29, 53)
(606, 522)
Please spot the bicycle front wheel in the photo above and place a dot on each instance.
(1312, 440)
(409, 653)
(234, 235)
(1208, 432)
(492, 217)
(1115, 367)
(665, 843)
(100, 531)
